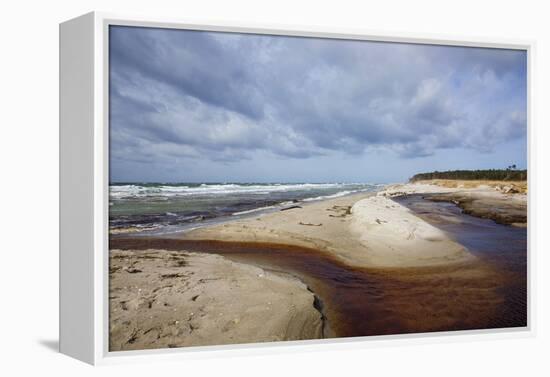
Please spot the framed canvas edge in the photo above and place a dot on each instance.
(103, 20)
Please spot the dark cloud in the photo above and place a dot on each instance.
(190, 94)
(193, 65)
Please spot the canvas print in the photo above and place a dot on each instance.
(276, 188)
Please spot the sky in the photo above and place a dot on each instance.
(197, 106)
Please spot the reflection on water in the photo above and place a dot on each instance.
(489, 293)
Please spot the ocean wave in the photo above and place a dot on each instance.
(336, 195)
(252, 210)
(138, 191)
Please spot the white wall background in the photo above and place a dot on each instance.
(29, 183)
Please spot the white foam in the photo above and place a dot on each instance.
(137, 191)
(252, 210)
(337, 195)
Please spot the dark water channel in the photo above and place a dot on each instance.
(503, 247)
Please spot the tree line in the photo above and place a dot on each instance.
(490, 174)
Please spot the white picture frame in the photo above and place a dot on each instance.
(84, 164)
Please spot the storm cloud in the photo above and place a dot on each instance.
(177, 96)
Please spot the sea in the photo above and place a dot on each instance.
(153, 208)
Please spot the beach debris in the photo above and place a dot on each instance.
(380, 221)
(391, 194)
(172, 276)
(342, 211)
(291, 207)
(510, 190)
(310, 224)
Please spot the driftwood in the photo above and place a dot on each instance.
(342, 211)
(291, 207)
(310, 224)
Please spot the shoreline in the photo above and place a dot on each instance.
(221, 207)
(386, 260)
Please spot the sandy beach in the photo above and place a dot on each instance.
(363, 230)
(161, 299)
(398, 273)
